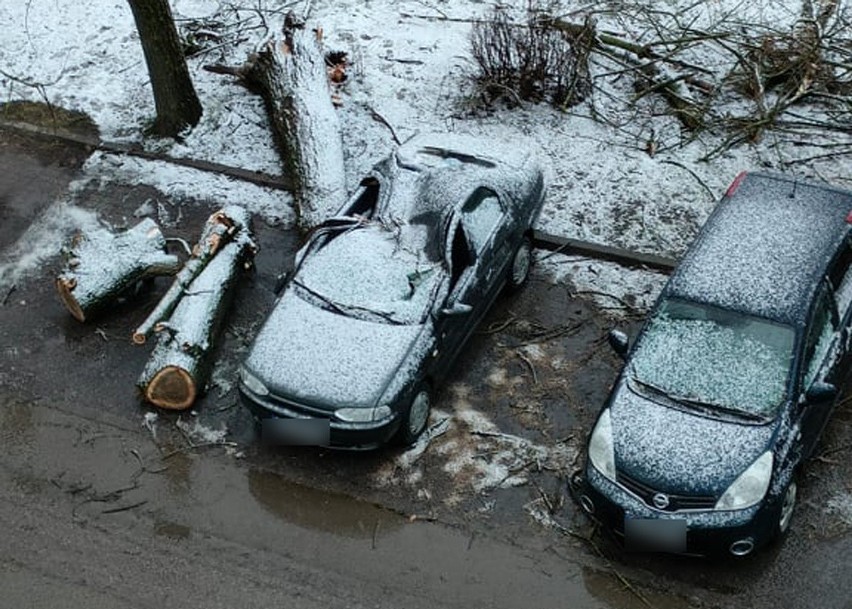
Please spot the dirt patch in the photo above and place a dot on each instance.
(50, 117)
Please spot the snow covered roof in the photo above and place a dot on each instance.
(764, 249)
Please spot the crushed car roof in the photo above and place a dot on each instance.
(765, 247)
(430, 174)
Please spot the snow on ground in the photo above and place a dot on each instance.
(39, 243)
(409, 65)
(66, 216)
(840, 506)
(475, 453)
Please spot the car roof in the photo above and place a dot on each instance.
(766, 247)
(431, 174)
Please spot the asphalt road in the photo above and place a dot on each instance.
(106, 503)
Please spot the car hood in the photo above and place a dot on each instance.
(320, 358)
(679, 451)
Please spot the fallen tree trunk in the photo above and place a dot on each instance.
(179, 366)
(289, 72)
(220, 228)
(101, 266)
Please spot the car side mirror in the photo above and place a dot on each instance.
(619, 342)
(457, 308)
(821, 392)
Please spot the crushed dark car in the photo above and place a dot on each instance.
(728, 386)
(385, 294)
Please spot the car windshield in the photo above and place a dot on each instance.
(373, 273)
(715, 359)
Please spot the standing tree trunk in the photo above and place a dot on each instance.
(174, 96)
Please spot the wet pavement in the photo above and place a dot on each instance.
(111, 503)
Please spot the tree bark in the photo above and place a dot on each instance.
(221, 227)
(179, 366)
(289, 72)
(102, 266)
(174, 95)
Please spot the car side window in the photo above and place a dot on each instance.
(480, 216)
(461, 256)
(820, 336)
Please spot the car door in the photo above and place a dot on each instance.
(456, 317)
(487, 224)
(825, 349)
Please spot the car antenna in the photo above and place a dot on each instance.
(795, 184)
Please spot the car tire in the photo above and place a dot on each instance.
(416, 417)
(786, 509)
(519, 269)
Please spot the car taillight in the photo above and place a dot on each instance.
(849, 218)
(736, 184)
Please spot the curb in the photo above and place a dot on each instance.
(93, 143)
(541, 240)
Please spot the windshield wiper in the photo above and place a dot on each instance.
(337, 308)
(708, 408)
(383, 314)
(713, 407)
(347, 310)
(648, 386)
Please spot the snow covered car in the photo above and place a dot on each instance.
(385, 294)
(730, 382)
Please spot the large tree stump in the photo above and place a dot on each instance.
(220, 228)
(102, 266)
(179, 366)
(289, 72)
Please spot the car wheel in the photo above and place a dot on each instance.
(519, 271)
(416, 417)
(788, 504)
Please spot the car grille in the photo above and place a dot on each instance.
(300, 410)
(676, 502)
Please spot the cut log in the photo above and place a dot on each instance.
(101, 266)
(179, 366)
(220, 228)
(289, 72)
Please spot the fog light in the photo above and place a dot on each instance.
(742, 547)
(587, 504)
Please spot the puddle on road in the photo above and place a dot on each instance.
(617, 592)
(319, 510)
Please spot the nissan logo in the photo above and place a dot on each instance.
(660, 501)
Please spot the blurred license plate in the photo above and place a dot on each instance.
(655, 535)
(295, 432)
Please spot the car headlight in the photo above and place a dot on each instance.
(601, 447)
(252, 383)
(363, 415)
(750, 487)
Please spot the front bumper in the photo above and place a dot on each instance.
(362, 435)
(708, 532)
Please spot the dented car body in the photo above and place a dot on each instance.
(384, 295)
(732, 379)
